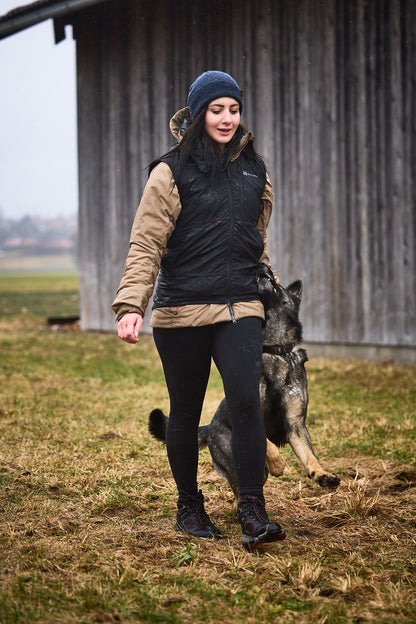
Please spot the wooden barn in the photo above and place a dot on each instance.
(330, 93)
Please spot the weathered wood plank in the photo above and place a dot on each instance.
(330, 91)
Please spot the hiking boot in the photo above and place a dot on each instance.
(255, 524)
(193, 519)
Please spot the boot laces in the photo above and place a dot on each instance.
(253, 509)
(193, 513)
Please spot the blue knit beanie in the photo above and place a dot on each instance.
(209, 86)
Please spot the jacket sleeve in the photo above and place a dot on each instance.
(153, 224)
(263, 222)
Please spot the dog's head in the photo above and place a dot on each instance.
(281, 307)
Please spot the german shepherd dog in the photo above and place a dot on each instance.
(283, 392)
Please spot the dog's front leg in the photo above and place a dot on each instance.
(274, 461)
(300, 442)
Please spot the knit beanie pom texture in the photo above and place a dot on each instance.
(212, 85)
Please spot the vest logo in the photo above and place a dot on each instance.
(251, 175)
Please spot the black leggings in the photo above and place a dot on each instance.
(186, 358)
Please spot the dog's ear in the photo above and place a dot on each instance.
(296, 289)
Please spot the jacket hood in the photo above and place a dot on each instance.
(181, 120)
(179, 123)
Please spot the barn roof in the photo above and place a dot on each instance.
(30, 14)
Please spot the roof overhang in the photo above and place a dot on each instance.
(31, 14)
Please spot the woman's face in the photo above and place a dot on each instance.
(222, 119)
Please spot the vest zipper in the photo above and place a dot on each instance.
(230, 240)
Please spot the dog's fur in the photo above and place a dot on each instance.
(283, 392)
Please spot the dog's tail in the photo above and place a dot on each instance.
(158, 423)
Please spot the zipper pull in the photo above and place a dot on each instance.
(230, 307)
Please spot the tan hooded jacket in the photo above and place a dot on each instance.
(154, 223)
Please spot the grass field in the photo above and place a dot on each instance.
(39, 294)
(87, 500)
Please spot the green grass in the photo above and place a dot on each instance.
(39, 295)
(87, 500)
(380, 400)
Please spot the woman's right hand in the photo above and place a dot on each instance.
(129, 326)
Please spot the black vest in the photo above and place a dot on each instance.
(213, 253)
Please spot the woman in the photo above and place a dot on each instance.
(202, 221)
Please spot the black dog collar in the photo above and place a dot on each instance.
(279, 349)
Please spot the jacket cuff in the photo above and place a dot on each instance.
(126, 309)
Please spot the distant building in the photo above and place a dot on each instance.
(39, 235)
(330, 92)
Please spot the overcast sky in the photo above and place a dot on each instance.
(38, 149)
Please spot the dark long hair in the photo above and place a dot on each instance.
(215, 159)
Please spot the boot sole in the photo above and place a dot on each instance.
(208, 535)
(264, 538)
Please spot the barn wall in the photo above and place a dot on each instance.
(330, 92)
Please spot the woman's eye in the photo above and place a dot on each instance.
(219, 111)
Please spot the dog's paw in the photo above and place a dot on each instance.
(274, 461)
(328, 480)
(276, 466)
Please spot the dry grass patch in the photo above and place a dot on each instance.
(87, 500)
